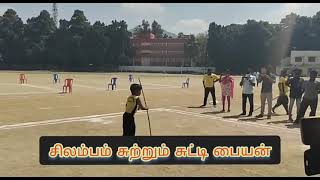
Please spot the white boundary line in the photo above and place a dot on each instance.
(40, 87)
(90, 87)
(112, 115)
(66, 120)
(25, 93)
(164, 85)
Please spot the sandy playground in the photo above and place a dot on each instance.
(38, 109)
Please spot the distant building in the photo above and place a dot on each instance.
(304, 60)
(152, 51)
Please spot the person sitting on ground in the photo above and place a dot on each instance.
(283, 92)
(311, 90)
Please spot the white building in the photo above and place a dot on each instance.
(304, 60)
(301, 58)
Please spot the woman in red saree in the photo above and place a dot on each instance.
(227, 86)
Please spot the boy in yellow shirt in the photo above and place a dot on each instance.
(283, 92)
(132, 105)
(208, 84)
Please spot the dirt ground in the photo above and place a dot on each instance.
(37, 109)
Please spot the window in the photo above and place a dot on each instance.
(298, 59)
(312, 59)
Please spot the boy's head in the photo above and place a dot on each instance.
(313, 74)
(209, 72)
(249, 70)
(135, 89)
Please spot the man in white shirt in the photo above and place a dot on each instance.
(248, 81)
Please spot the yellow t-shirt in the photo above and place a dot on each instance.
(209, 80)
(283, 87)
(131, 105)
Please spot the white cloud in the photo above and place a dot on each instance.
(144, 8)
(302, 9)
(136, 12)
(190, 26)
(3, 9)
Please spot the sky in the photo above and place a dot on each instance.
(189, 18)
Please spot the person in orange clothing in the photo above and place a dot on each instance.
(67, 84)
(22, 78)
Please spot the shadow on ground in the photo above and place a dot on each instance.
(233, 116)
(197, 107)
(279, 122)
(275, 114)
(252, 119)
(216, 112)
(293, 126)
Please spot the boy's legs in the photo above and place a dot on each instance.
(279, 102)
(213, 94)
(269, 100)
(298, 104)
(228, 99)
(244, 103)
(128, 126)
(206, 93)
(313, 105)
(223, 102)
(303, 108)
(290, 107)
(250, 96)
(285, 103)
(263, 98)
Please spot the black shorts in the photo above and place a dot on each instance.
(128, 125)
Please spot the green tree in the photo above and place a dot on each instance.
(202, 58)
(156, 29)
(11, 38)
(180, 35)
(37, 32)
(191, 51)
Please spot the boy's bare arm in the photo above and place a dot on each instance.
(140, 105)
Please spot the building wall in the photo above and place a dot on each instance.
(305, 57)
(159, 52)
(301, 60)
(181, 70)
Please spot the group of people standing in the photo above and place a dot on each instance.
(227, 87)
(292, 89)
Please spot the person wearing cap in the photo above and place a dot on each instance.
(132, 105)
